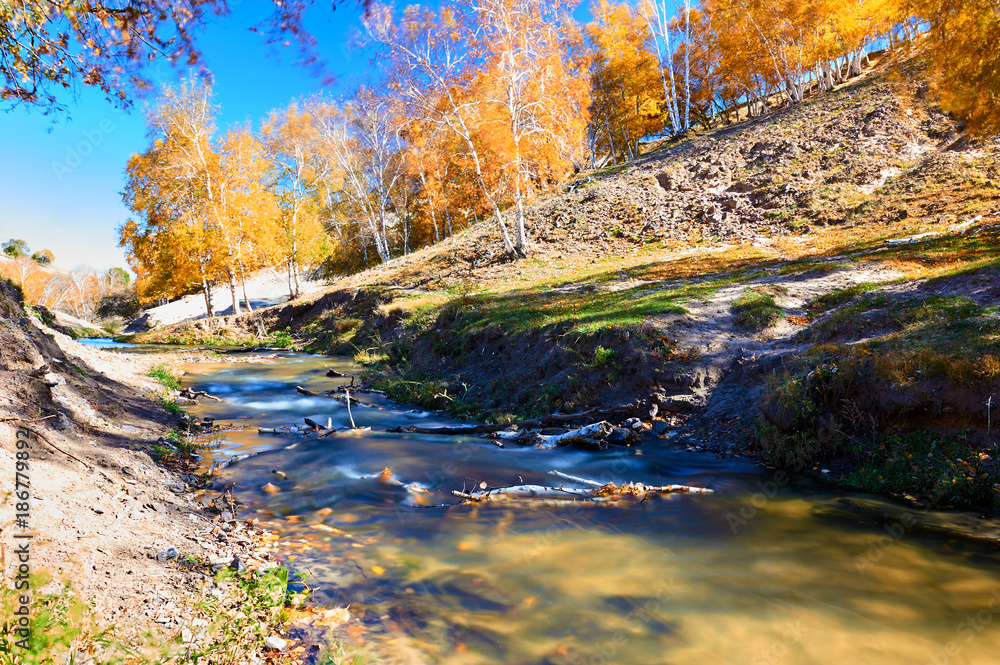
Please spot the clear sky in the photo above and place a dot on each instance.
(61, 175)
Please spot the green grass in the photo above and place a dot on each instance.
(838, 297)
(945, 469)
(538, 308)
(868, 392)
(603, 357)
(757, 309)
(165, 375)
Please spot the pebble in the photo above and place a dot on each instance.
(276, 643)
(167, 555)
(271, 488)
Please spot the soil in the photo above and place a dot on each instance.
(106, 517)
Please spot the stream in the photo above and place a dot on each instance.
(768, 569)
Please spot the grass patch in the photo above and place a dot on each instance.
(874, 404)
(838, 297)
(165, 375)
(945, 469)
(603, 357)
(757, 309)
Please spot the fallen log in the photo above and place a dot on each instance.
(596, 492)
(595, 436)
(307, 393)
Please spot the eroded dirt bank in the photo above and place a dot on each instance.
(125, 557)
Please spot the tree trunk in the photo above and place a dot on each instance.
(232, 291)
(207, 290)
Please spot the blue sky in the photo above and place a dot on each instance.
(60, 175)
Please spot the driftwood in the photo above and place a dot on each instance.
(554, 419)
(334, 373)
(595, 492)
(590, 436)
(316, 426)
(341, 395)
(187, 393)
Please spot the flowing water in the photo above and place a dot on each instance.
(768, 569)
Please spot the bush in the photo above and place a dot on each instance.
(122, 303)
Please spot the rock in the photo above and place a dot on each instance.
(633, 424)
(622, 436)
(275, 643)
(280, 475)
(53, 379)
(237, 565)
(334, 373)
(168, 554)
(678, 403)
(660, 427)
(270, 488)
(653, 410)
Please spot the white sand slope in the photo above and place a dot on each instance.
(266, 288)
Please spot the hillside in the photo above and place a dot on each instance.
(818, 285)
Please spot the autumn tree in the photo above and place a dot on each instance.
(173, 189)
(627, 96)
(435, 59)
(535, 78)
(965, 59)
(48, 47)
(361, 142)
(43, 257)
(250, 214)
(291, 137)
(499, 76)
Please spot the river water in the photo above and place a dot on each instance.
(768, 569)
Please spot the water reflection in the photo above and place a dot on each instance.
(759, 572)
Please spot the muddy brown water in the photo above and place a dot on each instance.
(771, 568)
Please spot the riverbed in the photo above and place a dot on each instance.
(770, 568)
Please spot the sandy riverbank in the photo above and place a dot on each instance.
(137, 543)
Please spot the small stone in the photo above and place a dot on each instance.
(276, 643)
(237, 565)
(167, 555)
(633, 423)
(280, 475)
(270, 488)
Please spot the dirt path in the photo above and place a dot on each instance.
(732, 361)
